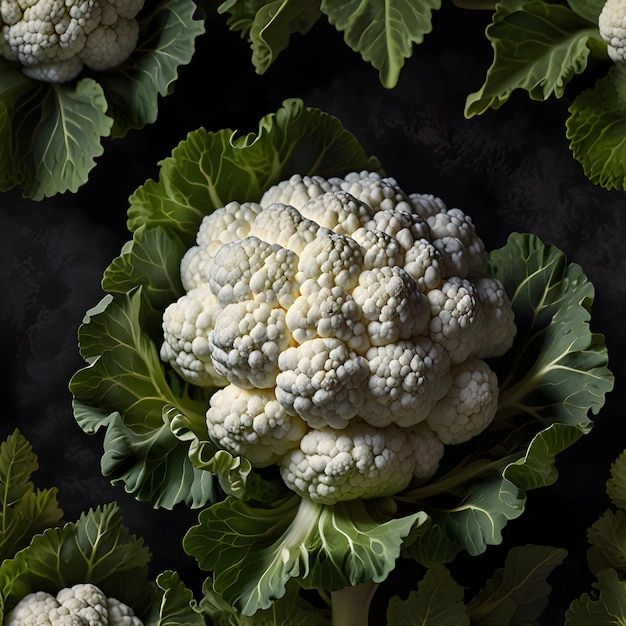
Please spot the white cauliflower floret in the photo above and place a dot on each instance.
(331, 259)
(406, 380)
(252, 423)
(456, 320)
(393, 306)
(83, 604)
(296, 191)
(53, 39)
(187, 324)
(379, 248)
(462, 251)
(612, 26)
(323, 381)
(338, 211)
(351, 321)
(498, 320)
(251, 267)
(380, 193)
(245, 342)
(225, 225)
(286, 226)
(327, 312)
(360, 461)
(469, 406)
(423, 262)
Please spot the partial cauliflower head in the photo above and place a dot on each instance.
(54, 39)
(350, 322)
(83, 604)
(612, 25)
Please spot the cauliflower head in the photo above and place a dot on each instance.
(347, 323)
(83, 604)
(54, 39)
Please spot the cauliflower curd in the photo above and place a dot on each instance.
(54, 39)
(347, 323)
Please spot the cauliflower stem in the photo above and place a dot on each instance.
(351, 605)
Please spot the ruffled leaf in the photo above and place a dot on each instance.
(605, 607)
(254, 551)
(596, 129)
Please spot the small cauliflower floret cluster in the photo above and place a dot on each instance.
(347, 323)
(612, 26)
(83, 604)
(54, 39)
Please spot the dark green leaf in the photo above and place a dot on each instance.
(589, 9)
(518, 592)
(383, 33)
(596, 129)
(616, 485)
(57, 136)
(606, 609)
(274, 23)
(538, 47)
(438, 601)
(126, 377)
(607, 539)
(166, 42)
(174, 605)
(24, 511)
(97, 548)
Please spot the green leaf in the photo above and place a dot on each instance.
(596, 129)
(607, 608)
(518, 592)
(616, 485)
(174, 604)
(126, 378)
(255, 551)
(538, 47)
(383, 33)
(166, 42)
(152, 260)
(13, 87)
(24, 511)
(207, 170)
(607, 539)
(97, 548)
(557, 369)
(588, 9)
(273, 24)
(438, 601)
(58, 132)
(291, 609)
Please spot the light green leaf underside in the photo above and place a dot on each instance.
(382, 31)
(254, 551)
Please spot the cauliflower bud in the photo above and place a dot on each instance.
(348, 324)
(54, 39)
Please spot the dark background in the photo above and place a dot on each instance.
(510, 169)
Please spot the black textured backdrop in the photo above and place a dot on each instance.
(510, 169)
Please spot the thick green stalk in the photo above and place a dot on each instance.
(351, 605)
